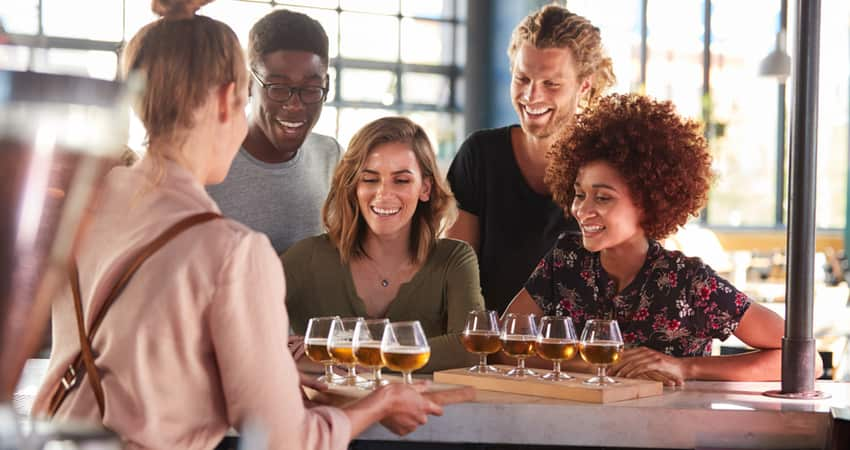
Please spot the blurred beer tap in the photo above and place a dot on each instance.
(59, 135)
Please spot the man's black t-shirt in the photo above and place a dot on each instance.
(517, 226)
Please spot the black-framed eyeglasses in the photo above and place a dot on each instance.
(309, 95)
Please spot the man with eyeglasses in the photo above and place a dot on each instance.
(281, 175)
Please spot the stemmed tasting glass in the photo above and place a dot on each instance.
(404, 348)
(601, 345)
(481, 336)
(556, 342)
(341, 348)
(367, 347)
(316, 346)
(519, 333)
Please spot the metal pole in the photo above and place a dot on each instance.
(780, 129)
(478, 68)
(798, 345)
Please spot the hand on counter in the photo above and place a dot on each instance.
(643, 362)
(410, 407)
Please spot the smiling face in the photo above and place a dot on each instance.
(545, 89)
(389, 188)
(287, 124)
(604, 208)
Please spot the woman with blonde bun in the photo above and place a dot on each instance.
(195, 342)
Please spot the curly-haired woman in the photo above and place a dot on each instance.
(631, 171)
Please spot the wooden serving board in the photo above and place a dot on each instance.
(626, 389)
(344, 395)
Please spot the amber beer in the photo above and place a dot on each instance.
(369, 354)
(317, 350)
(481, 342)
(518, 346)
(556, 349)
(601, 352)
(343, 354)
(406, 359)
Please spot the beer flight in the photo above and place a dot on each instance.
(371, 343)
(553, 339)
(403, 346)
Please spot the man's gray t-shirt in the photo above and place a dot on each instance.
(283, 200)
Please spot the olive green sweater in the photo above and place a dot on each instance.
(439, 295)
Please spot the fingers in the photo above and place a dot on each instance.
(296, 347)
(311, 382)
(433, 408)
(405, 424)
(449, 396)
(640, 361)
(420, 386)
(667, 378)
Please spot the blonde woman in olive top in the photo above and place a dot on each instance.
(381, 256)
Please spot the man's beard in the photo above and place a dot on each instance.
(554, 127)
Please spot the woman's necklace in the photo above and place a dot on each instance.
(383, 280)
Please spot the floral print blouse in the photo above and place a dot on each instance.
(675, 304)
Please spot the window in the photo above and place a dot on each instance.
(394, 57)
(742, 107)
(388, 57)
(743, 118)
(620, 36)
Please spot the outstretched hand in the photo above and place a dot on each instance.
(643, 362)
(409, 407)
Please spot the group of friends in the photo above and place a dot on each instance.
(561, 214)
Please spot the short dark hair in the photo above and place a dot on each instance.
(283, 29)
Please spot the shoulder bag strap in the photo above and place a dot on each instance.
(85, 359)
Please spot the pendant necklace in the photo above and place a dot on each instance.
(384, 281)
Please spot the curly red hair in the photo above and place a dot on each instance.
(662, 157)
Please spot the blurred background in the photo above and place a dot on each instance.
(443, 63)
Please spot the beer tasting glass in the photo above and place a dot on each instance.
(601, 345)
(341, 348)
(556, 342)
(481, 336)
(404, 348)
(367, 347)
(519, 332)
(316, 346)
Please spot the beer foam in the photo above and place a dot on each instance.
(556, 341)
(518, 337)
(481, 333)
(407, 350)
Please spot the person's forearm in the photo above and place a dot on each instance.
(363, 413)
(758, 365)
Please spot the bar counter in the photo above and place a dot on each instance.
(700, 415)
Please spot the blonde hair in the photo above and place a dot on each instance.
(341, 212)
(181, 57)
(554, 26)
